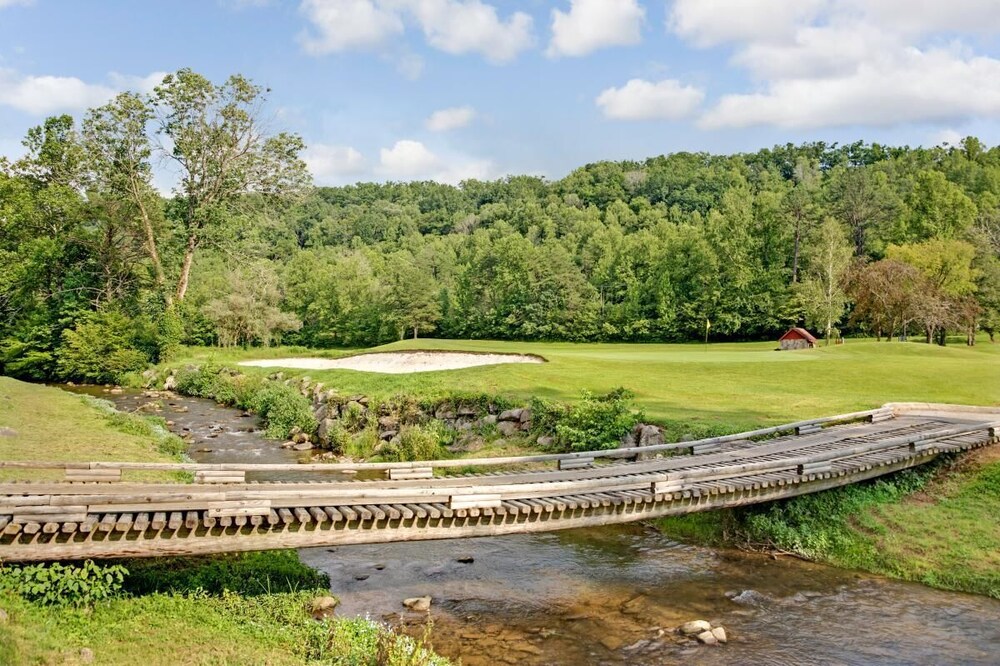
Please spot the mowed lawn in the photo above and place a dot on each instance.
(728, 384)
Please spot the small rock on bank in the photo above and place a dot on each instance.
(418, 604)
(323, 607)
(707, 637)
(695, 627)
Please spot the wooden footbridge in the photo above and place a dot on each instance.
(95, 511)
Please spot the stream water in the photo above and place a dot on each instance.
(612, 595)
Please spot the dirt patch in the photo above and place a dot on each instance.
(397, 363)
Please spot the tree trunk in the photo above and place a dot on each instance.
(182, 281)
(795, 254)
(414, 332)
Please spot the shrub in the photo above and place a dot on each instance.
(597, 422)
(363, 642)
(59, 584)
(419, 442)
(282, 408)
(244, 573)
(100, 348)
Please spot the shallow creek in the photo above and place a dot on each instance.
(612, 595)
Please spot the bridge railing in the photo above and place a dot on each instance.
(73, 502)
(97, 471)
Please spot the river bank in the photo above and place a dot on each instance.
(250, 609)
(935, 525)
(614, 595)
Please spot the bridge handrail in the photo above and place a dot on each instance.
(466, 462)
(172, 496)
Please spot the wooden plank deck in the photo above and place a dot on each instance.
(221, 512)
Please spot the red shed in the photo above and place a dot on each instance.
(797, 338)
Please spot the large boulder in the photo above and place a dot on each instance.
(323, 430)
(508, 428)
(511, 415)
(445, 412)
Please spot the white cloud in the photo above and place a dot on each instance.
(40, 95)
(451, 118)
(332, 165)
(946, 136)
(595, 24)
(410, 65)
(910, 86)
(407, 159)
(143, 84)
(412, 160)
(930, 16)
(644, 100)
(47, 94)
(471, 26)
(12, 3)
(343, 25)
(821, 63)
(712, 22)
(452, 26)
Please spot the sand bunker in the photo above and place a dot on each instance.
(396, 363)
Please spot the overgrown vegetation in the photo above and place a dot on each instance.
(595, 422)
(281, 407)
(247, 574)
(58, 584)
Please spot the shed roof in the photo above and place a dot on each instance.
(797, 333)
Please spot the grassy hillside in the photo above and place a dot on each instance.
(733, 385)
(46, 423)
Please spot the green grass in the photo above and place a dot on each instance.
(51, 424)
(726, 386)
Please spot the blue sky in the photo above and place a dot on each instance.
(449, 89)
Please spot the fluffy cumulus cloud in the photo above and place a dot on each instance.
(451, 118)
(821, 63)
(40, 95)
(333, 165)
(412, 160)
(452, 26)
(342, 25)
(644, 100)
(590, 25)
(712, 22)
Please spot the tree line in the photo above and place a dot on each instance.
(103, 274)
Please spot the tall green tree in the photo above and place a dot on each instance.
(217, 139)
(822, 292)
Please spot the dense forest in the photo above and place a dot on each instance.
(101, 274)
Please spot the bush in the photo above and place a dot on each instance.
(282, 408)
(419, 442)
(100, 348)
(57, 584)
(244, 573)
(597, 422)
